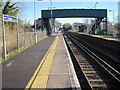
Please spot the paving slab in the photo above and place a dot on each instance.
(60, 75)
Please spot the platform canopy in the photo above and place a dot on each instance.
(69, 13)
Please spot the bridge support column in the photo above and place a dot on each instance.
(46, 23)
(106, 25)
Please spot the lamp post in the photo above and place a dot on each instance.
(35, 32)
(113, 24)
(51, 17)
(96, 4)
(50, 8)
(41, 22)
(95, 18)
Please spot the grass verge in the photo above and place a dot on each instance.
(16, 52)
(13, 54)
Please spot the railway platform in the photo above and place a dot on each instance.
(109, 38)
(46, 65)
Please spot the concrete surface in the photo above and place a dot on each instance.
(60, 75)
(17, 71)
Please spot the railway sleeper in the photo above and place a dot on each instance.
(93, 80)
(85, 66)
(99, 87)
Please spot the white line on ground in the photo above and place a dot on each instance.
(9, 64)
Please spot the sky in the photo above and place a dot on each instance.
(28, 9)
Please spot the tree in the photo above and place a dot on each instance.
(0, 10)
(10, 8)
(67, 26)
(0, 3)
(27, 26)
(56, 21)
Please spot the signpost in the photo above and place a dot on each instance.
(9, 19)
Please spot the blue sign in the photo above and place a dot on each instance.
(10, 18)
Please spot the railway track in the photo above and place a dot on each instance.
(92, 70)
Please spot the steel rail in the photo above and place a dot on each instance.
(108, 68)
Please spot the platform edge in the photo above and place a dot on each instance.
(73, 79)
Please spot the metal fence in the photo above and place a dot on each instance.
(25, 39)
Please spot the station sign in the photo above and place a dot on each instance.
(58, 24)
(9, 18)
(78, 24)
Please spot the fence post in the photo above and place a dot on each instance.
(4, 40)
(18, 40)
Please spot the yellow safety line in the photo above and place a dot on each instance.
(40, 76)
